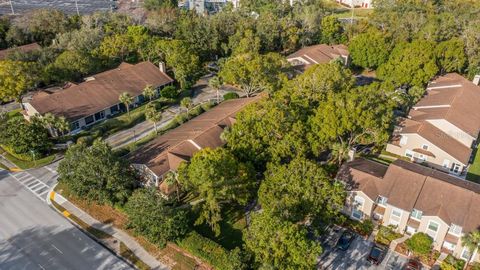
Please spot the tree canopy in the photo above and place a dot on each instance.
(95, 173)
(217, 177)
(152, 216)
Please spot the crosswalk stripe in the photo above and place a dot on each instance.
(37, 187)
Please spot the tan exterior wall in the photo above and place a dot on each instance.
(30, 110)
(441, 232)
(366, 208)
(416, 141)
(403, 219)
(453, 131)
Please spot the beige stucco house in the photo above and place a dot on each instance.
(442, 128)
(414, 198)
(318, 54)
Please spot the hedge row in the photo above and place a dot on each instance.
(211, 252)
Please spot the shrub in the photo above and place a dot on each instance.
(420, 244)
(169, 92)
(362, 227)
(230, 95)
(386, 235)
(208, 105)
(452, 263)
(181, 118)
(211, 252)
(195, 111)
(475, 266)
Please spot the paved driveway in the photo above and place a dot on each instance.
(356, 258)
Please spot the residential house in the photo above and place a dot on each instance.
(442, 128)
(356, 3)
(413, 198)
(97, 98)
(165, 153)
(318, 54)
(22, 49)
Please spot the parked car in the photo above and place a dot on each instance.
(345, 240)
(377, 254)
(413, 264)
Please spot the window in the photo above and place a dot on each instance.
(465, 254)
(99, 115)
(448, 245)
(403, 140)
(432, 229)
(408, 153)
(416, 214)
(446, 163)
(411, 230)
(455, 168)
(382, 200)
(75, 125)
(424, 147)
(395, 216)
(455, 229)
(89, 120)
(357, 207)
(114, 109)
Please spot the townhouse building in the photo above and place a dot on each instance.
(356, 3)
(97, 98)
(413, 198)
(441, 130)
(165, 153)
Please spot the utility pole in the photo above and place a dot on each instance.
(76, 6)
(11, 6)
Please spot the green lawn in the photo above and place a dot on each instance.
(473, 173)
(26, 164)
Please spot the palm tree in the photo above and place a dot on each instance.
(186, 103)
(171, 178)
(126, 99)
(339, 152)
(216, 83)
(149, 92)
(48, 121)
(472, 242)
(62, 125)
(152, 114)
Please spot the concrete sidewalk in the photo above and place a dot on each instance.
(120, 235)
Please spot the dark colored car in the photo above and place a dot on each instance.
(413, 265)
(377, 253)
(345, 240)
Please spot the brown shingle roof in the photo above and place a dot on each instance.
(437, 137)
(101, 92)
(322, 53)
(411, 186)
(166, 152)
(461, 98)
(23, 49)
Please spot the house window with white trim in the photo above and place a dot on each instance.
(425, 146)
(395, 216)
(465, 254)
(432, 229)
(455, 230)
(409, 153)
(382, 200)
(449, 245)
(416, 214)
(422, 157)
(455, 168)
(357, 207)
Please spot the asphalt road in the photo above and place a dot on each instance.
(34, 236)
(67, 6)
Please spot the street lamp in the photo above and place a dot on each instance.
(33, 156)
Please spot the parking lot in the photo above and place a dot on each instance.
(355, 257)
(67, 6)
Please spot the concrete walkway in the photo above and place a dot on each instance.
(201, 94)
(6, 162)
(120, 235)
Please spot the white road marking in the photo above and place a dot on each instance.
(51, 170)
(31, 183)
(56, 248)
